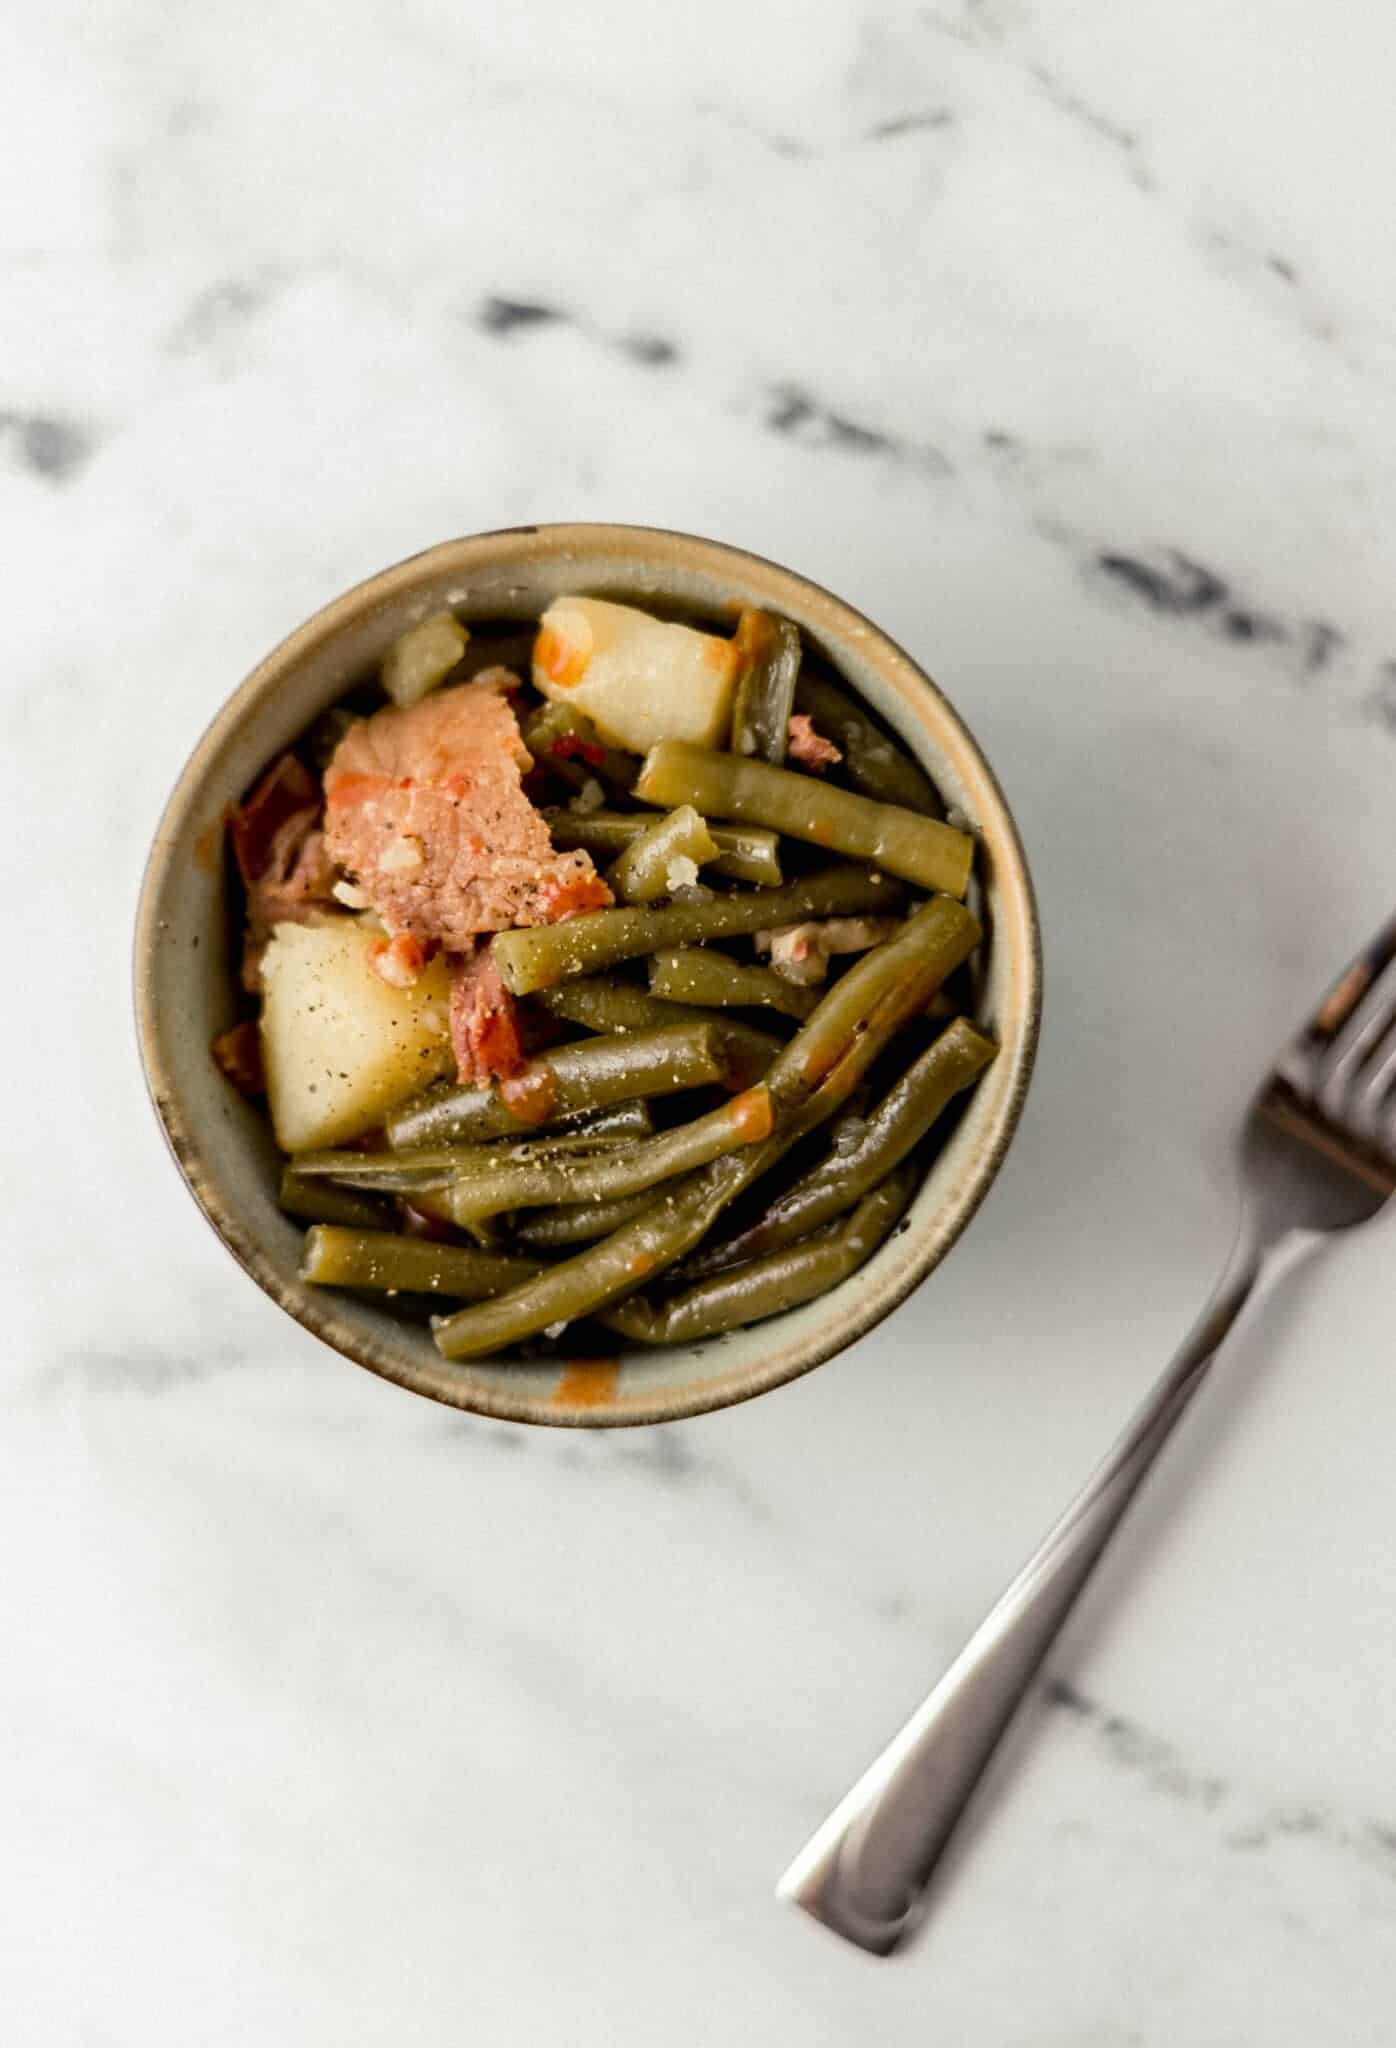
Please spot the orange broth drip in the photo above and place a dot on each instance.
(532, 1095)
(590, 1383)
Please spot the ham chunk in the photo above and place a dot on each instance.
(281, 855)
(484, 1022)
(810, 748)
(238, 1052)
(801, 952)
(425, 808)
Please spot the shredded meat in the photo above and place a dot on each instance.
(398, 961)
(238, 1051)
(281, 855)
(285, 796)
(801, 952)
(484, 1022)
(810, 748)
(425, 807)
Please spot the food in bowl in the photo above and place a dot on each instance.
(614, 975)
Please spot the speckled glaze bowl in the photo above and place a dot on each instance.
(184, 971)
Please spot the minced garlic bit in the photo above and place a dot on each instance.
(404, 852)
(590, 797)
(350, 895)
(681, 873)
(554, 1330)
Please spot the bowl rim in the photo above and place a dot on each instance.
(319, 1315)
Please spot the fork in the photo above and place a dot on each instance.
(1318, 1153)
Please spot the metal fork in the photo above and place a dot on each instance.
(1318, 1153)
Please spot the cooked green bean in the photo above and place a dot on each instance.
(646, 870)
(810, 1081)
(317, 1202)
(922, 850)
(712, 980)
(587, 1075)
(573, 1223)
(382, 1260)
(766, 1287)
(381, 1172)
(606, 1002)
(745, 853)
(432, 1167)
(906, 970)
(431, 1202)
(422, 657)
(537, 957)
(630, 1119)
(874, 764)
(603, 1002)
(600, 1273)
(768, 655)
(860, 1156)
(496, 1182)
(563, 740)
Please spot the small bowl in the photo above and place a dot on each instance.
(184, 971)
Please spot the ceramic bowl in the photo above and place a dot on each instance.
(185, 965)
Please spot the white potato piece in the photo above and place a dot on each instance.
(638, 679)
(422, 657)
(340, 1047)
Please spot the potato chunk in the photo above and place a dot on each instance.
(638, 679)
(339, 1045)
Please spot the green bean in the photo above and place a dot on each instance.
(643, 872)
(863, 1154)
(630, 1119)
(313, 1193)
(874, 764)
(497, 1183)
(744, 852)
(768, 1286)
(573, 1223)
(423, 657)
(381, 1172)
(606, 1002)
(922, 850)
(588, 1075)
(599, 1274)
(905, 971)
(432, 1167)
(431, 1202)
(563, 740)
(381, 1259)
(697, 974)
(768, 656)
(317, 1202)
(603, 1002)
(811, 1080)
(543, 954)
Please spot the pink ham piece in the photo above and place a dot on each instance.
(425, 808)
(281, 856)
(810, 748)
(484, 1023)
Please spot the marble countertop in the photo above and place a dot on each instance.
(1061, 340)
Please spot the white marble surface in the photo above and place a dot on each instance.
(1061, 339)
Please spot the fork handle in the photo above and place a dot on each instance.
(865, 1872)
